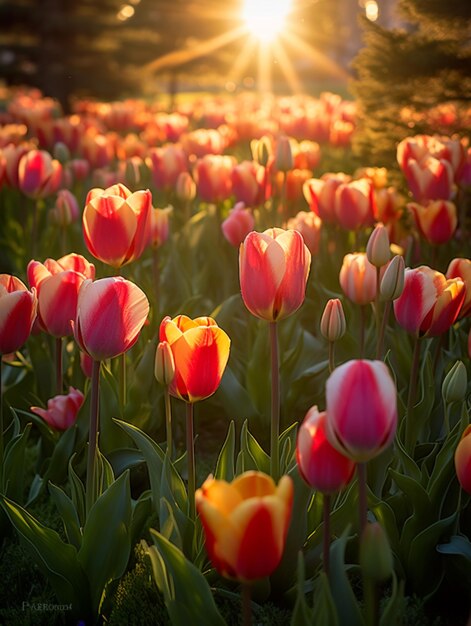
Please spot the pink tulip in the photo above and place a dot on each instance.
(246, 177)
(239, 223)
(320, 195)
(355, 204)
(461, 268)
(38, 174)
(319, 463)
(61, 412)
(66, 209)
(166, 164)
(213, 174)
(429, 303)
(17, 313)
(429, 179)
(309, 225)
(110, 315)
(12, 155)
(358, 278)
(273, 268)
(361, 409)
(115, 224)
(159, 226)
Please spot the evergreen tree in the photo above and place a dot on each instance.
(402, 74)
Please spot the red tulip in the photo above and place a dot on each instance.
(273, 268)
(239, 223)
(200, 351)
(355, 204)
(245, 523)
(213, 175)
(17, 313)
(319, 463)
(115, 224)
(436, 221)
(246, 186)
(463, 460)
(429, 179)
(61, 410)
(38, 174)
(320, 195)
(166, 164)
(429, 303)
(361, 409)
(110, 315)
(159, 226)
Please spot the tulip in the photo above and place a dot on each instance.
(377, 248)
(463, 460)
(200, 350)
(358, 278)
(38, 174)
(61, 410)
(320, 194)
(12, 155)
(455, 383)
(283, 155)
(164, 370)
(213, 175)
(376, 559)
(185, 187)
(361, 409)
(309, 225)
(159, 226)
(274, 266)
(115, 224)
(319, 463)
(239, 223)
(436, 221)
(110, 315)
(355, 204)
(65, 210)
(429, 179)
(166, 164)
(245, 183)
(17, 313)
(461, 268)
(392, 282)
(245, 523)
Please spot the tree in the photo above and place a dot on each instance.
(402, 74)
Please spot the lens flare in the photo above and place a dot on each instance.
(265, 19)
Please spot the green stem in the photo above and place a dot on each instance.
(370, 593)
(59, 365)
(275, 405)
(362, 499)
(282, 209)
(122, 380)
(411, 396)
(246, 604)
(382, 332)
(190, 449)
(168, 421)
(326, 534)
(156, 279)
(378, 308)
(63, 239)
(362, 330)
(331, 356)
(93, 435)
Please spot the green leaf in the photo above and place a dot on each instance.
(302, 613)
(63, 450)
(56, 559)
(69, 516)
(77, 491)
(187, 595)
(124, 458)
(325, 612)
(393, 611)
(349, 613)
(13, 468)
(225, 463)
(254, 457)
(106, 544)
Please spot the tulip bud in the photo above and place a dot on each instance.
(61, 152)
(283, 156)
(377, 248)
(333, 323)
(392, 283)
(262, 150)
(66, 209)
(185, 187)
(164, 363)
(133, 172)
(375, 554)
(62, 410)
(455, 383)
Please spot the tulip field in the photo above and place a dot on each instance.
(235, 367)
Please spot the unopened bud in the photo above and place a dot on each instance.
(261, 150)
(333, 323)
(164, 363)
(377, 248)
(392, 283)
(61, 152)
(133, 172)
(284, 161)
(455, 383)
(185, 187)
(376, 559)
(66, 209)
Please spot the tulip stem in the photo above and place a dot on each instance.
(326, 535)
(370, 594)
(275, 404)
(63, 239)
(282, 206)
(378, 308)
(411, 396)
(122, 380)
(1, 423)
(168, 421)
(246, 604)
(93, 436)
(362, 330)
(331, 356)
(382, 332)
(362, 499)
(156, 278)
(190, 448)
(59, 365)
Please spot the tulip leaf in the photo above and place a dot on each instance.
(408, 464)
(302, 613)
(443, 469)
(325, 611)
(106, 544)
(13, 467)
(69, 516)
(141, 512)
(63, 450)
(168, 525)
(111, 437)
(349, 613)
(124, 458)
(153, 455)
(187, 595)
(394, 607)
(232, 394)
(225, 463)
(77, 491)
(56, 559)
(254, 457)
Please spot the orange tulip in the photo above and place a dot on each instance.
(245, 523)
(200, 351)
(115, 224)
(273, 267)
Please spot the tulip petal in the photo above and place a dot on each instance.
(17, 314)
(254, 484)
(221, 537)
(58, 297)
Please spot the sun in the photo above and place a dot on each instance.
(265, 19)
